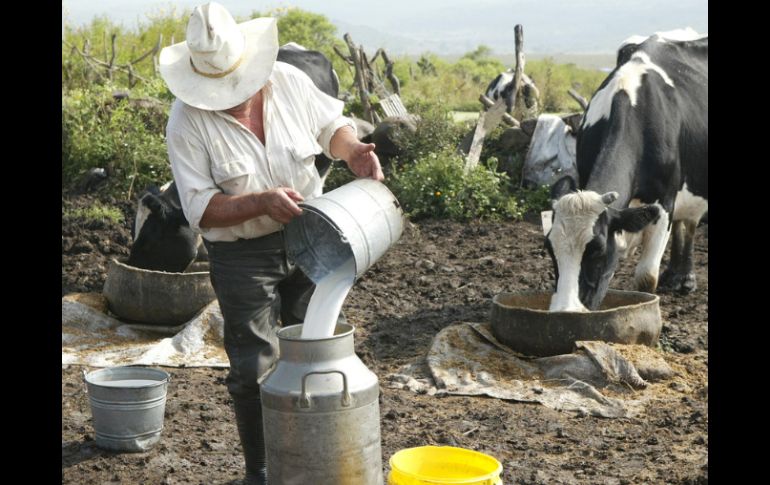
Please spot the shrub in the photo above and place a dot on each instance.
(535, 200)
(436, 131)
(127, 140)
(339, 175)
(554, 80)
(437, 186)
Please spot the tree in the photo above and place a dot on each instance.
(311, 30)
(482, 52)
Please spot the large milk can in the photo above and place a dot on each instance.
(321, 413)
(360, 220)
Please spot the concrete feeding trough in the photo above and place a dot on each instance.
(522, 322)
(157, 297)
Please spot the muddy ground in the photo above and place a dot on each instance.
(438, 274)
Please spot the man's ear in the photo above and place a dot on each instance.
(634, 219)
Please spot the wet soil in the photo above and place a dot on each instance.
(438, 274)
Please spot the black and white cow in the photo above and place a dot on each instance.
(502, 87)
(163, 240)
(642, 162)
(551, 152)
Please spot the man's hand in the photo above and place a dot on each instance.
(364, 162)
(280, 204)
(360, 157)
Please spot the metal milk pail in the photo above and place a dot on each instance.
(361, 219)
(127, 405)
(321, 413)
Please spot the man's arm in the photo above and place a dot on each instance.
(360, 157)
(204, 204)
(230, 210)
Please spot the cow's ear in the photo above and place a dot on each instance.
(562, 187)
(153, 203)
(633, 219)
(528, 126)
(573, 121)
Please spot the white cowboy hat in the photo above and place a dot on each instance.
(221, 64)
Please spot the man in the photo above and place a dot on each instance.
(241, 138)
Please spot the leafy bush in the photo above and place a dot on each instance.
(339, 175)
(454, 85)
(535, 200)
(437, 186)
(125, 139)
(436, 131)
(554, 80)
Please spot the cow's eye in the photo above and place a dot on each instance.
(595, 247)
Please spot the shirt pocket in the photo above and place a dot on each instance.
(303, 147)
(228, 163)
(222, 171)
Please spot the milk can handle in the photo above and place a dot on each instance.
(304, 400)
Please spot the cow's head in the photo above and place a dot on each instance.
(551, 153)
(502, 87)
(163, 240)
(583, 243)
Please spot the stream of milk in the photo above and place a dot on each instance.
(326, 303)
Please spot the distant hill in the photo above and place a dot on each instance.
(586, 28)
(455, 27)
(372, 39)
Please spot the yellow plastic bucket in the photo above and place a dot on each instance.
(441, 465)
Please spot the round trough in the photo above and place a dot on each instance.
(522, 322)
(157, 297)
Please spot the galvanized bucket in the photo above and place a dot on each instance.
(360, 220)
(127, 404)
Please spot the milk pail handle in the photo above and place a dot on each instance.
(304, 400)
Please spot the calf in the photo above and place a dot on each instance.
(163, 240)
(642, 162)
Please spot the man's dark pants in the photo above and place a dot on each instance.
(256, 285)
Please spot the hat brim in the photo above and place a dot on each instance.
(260, 52)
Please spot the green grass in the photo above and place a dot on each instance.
(463, 116)
(97, 212)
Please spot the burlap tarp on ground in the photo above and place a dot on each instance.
(599, 379)
(92, 337)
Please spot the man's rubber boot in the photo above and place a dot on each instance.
(248, 418)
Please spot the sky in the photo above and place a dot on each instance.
(452, 26)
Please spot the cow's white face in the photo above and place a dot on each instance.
(583, 243)
(551, 153)
(575, 217)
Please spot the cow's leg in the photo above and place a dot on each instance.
(679, 275)
(688, 211)
(675, 262)
(654, 240)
